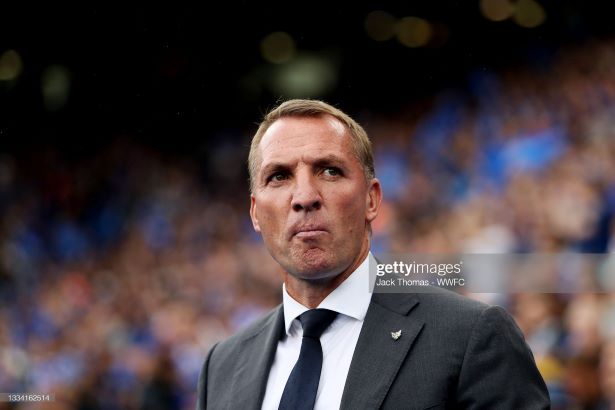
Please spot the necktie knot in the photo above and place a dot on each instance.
(316, 321)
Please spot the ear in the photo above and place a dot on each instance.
(373, 200)
(253, 216)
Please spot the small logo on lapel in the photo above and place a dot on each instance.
(396, 335)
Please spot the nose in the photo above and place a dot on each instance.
(306, 196)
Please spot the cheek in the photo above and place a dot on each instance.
(271, 218)
(351, 208)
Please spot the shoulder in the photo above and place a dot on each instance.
(443, 312)
(229, 346)
(438, 301)
(448, 297)
(445, 303)
(433, 302)
(457, 311)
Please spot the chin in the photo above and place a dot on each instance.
(314, 264)
(316, 275)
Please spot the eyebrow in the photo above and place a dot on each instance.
(330, 159)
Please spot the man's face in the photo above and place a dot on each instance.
(310, 199)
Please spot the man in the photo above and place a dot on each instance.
(332, 344)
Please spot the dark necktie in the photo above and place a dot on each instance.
(302, 385)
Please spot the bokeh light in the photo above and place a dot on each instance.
(278, 47)
(10, 65)
(380, 25)
(55, 87)
(529, 14)
(496, 10)
(307, 75)
(413, 31)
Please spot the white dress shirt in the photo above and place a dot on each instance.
(351, 300)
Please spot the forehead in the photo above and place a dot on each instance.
(290, 137)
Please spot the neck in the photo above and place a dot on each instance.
(310, 293)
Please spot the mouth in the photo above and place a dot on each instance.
(309, 234)
(308, 231)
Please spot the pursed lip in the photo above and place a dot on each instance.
(308, 231)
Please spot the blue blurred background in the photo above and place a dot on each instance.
(126, 248)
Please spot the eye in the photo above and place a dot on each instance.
(277, 177)
(332, 171)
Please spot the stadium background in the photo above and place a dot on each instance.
(126, 249)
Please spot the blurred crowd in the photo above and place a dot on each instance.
(120, 269)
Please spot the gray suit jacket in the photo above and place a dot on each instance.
(454, 353)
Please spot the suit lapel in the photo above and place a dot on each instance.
(253, 365)
(378, 356)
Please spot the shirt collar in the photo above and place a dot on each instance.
(350, 298)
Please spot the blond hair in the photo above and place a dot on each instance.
(361, 145)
